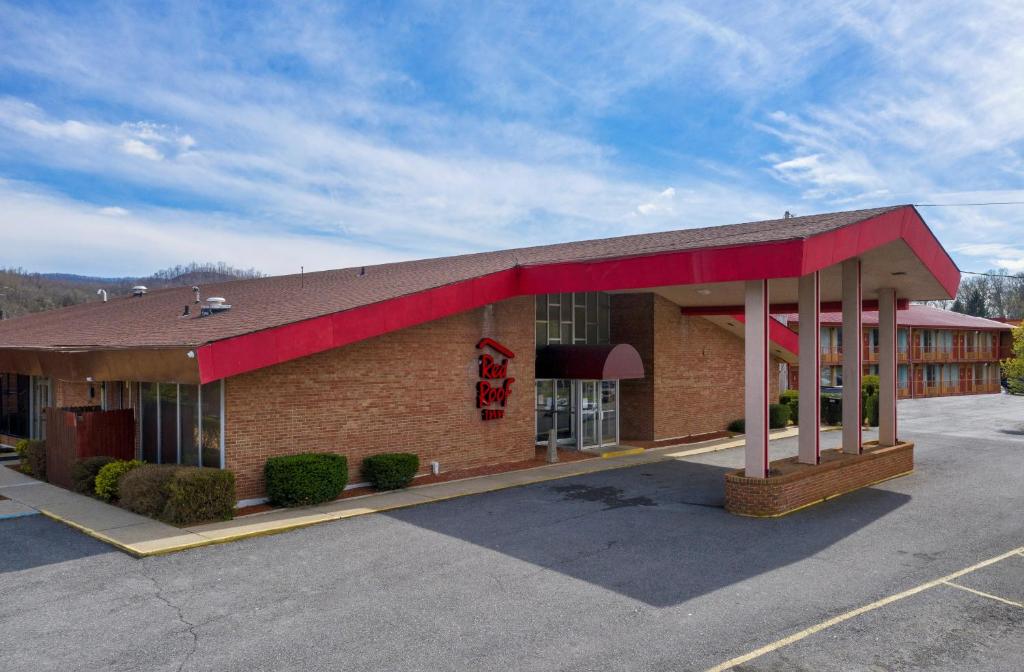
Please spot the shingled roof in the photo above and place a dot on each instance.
(154, 320)
(917, 315)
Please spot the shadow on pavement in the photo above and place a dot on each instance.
(36, 541)
(655, 533)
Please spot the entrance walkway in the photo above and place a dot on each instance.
(141, 536)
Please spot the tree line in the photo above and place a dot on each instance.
(996, 294)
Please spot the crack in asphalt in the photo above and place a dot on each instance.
(190, 627)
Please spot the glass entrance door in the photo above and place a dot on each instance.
(599, 413)
(609, 412)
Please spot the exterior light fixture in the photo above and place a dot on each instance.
(703, 292)
(191, 354)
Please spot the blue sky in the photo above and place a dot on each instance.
(139, 136)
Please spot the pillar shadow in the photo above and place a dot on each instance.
(657, 533)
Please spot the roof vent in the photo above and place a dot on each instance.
(139, 290)
(214, 305)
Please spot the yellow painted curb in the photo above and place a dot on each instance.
(621, 453)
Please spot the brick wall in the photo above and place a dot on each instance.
(412, 390)
(70, 394)
(694, 368)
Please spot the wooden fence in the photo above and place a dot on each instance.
(74, 434)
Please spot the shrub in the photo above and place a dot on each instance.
(144, 490)
(33, 457)
(869, 385)
(198, 495)
(83, 473)
(789, 397)
(778, 415)
(794, 410)
(308, 478)
(109, 475)
(390, 471)
(871, 410)
(738, 426)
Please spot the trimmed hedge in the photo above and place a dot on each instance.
(791, 398)
(390, 471)
(778, 415)
(739, 426)
(198, 495)
(33, 457)
(83, 473)
(179, 495)
(871, 410)
(307, 478)
(144, 490)
(831, 410)
(869, 385)
(110, 475)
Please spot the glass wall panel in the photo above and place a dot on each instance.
(565, 407)
(545, 409)
(149, 409)
(168, 423)
(189, 424)
(212, 418)
(583, 317)
(14, 404)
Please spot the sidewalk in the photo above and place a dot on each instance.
(141, 536)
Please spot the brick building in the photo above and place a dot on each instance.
(940, 353)
(469, 360)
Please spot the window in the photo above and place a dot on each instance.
(569, 318)
(182, 424)
(14, 404)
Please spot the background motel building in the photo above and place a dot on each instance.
(939, 352)
(468, 360)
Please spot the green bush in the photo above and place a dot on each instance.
(871, 410)
(144, 490)
(778, 415)
(308, 478)
(789, 397)
(110, 474)
(83, 473)
(390, 471)
(831, 410)
(198, 495)
(179, 495)
(794, 410)
(738, 426)
(869, 385)
(33, 457)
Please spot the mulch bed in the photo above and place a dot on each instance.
(539, 460)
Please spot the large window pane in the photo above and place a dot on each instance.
(168, 423)
(14, 403)
(150, 408)
(211, 424)
(189, 425)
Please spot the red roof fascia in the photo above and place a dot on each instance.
(792, 258)
(778, 333)
(785, 308)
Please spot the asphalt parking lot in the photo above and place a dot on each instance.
(631, 569)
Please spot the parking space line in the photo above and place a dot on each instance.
(835, 620)
(983, 594)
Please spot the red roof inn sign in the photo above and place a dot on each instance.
(495, 386)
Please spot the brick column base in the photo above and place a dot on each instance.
(792, 486)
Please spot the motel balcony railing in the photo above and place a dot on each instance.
(977, 353)
(947, 388)
(831, 355)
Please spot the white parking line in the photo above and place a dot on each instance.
(835, 620)
(983, 594)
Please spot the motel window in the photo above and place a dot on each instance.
(903, 375)
(901, 338)
(182, 424)
(573, 318)
(14, 404)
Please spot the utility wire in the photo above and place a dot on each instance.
(993, 275)
(959, 205)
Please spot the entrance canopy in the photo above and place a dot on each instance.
(589, 362)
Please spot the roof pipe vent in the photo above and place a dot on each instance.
(214, 305)
(195, 289)
(103, 293)
(139, 290)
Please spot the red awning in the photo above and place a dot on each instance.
(590, 362)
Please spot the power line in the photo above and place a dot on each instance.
(960, 205)
(992, 275)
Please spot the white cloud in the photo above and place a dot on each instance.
(661, 204)
(139, 148)
(114, 211)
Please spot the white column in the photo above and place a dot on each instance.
(887, 364)
(852, 356)
(809, 293)
(755, 346)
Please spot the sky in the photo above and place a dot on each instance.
(137, 136)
